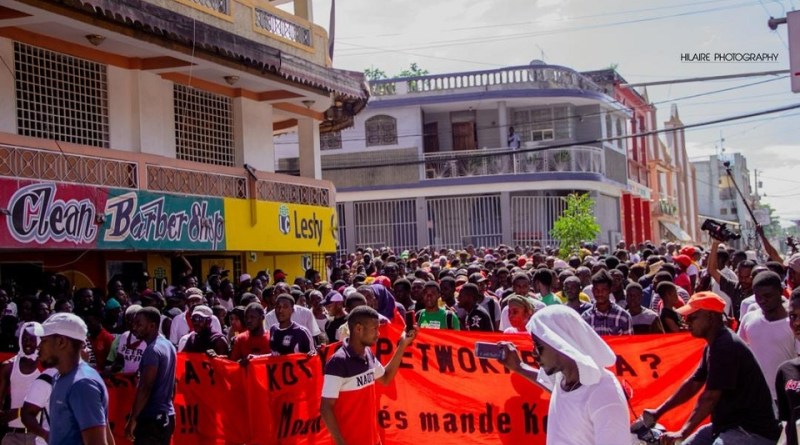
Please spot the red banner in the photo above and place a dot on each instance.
(442, 393)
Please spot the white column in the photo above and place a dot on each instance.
(252, 134)
(123, 109)
(308, 139)
(8, 100)
(156, 115)
(502, 123)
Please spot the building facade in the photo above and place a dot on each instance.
(717, 196)
(133, 130)
(430, 160)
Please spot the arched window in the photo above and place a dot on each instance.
(381, 130)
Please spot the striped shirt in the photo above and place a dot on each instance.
(616, 321)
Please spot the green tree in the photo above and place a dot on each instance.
(373, 73)
(413, 71)
(576, 225)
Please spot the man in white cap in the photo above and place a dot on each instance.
(79, 401)
(587, 405)
(182, 324)
(17, 374)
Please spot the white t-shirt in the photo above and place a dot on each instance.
(131, 353)
(301, 315)
(692, 270)
(646, 317)
(772, 343)
(595, 414)
(730, 275)
(39, 395)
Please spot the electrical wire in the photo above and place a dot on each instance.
(571, 144)
(484, 39)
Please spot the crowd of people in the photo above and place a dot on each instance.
(748, 312)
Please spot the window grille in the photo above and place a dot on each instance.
(543, 124)
(203, 126)
(330, 141)
(60, 97)
(386, 224)
(381, 130)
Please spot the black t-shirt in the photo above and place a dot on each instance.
(333, 326)
(478, 319)
(669, 314)
(293, 339)
(787, 388)
(729, 366)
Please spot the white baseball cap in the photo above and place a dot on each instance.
(203, 311)
(244, 277)
(66, 324)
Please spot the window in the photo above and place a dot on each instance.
(734, 211)
(381, 130)
(60, 97)
(620, 142)
(331, 140)
(203, 126)
(609, 132)
(543, 124)
(723, 211)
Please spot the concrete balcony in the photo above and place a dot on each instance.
(260, 21)
(527, 76)
(45, 160)
(503, 161)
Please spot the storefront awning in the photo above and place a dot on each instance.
(676, 231)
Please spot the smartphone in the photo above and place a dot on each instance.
(490, 350)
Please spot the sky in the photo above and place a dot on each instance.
(644, 39)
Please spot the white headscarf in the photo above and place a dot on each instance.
(35, 329)
(563, 329)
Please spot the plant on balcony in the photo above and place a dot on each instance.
(576, 225)
(561, 160)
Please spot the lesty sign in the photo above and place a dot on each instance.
(54, 215)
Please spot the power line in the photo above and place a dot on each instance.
(581, 116)
(480, 40)
(536, 22)
(571, 144)
(708, 78)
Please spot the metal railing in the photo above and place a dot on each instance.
(665, 207)
(283, 27)
(503, 161)
(107, 168)
(542, 77)
(221, 6)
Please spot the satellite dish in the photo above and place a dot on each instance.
(537, 62)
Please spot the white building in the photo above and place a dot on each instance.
(717, 197)
(436, 168)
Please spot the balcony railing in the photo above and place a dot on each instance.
(503, 161)
(665, 207)
(109, 168)
(283, 27)
(538, 77)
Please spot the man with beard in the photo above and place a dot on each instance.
(152, 419)
(79, 401)
(17, 375)
(349, 402)
(587, 405)
(732, 387)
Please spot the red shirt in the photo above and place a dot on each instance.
(244, 345)
(101, 346)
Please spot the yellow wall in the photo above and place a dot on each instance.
(291, 264)
(279, 227)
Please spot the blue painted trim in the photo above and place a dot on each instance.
(425, 99)
(478, 180)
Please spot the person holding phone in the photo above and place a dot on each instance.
(587, 405)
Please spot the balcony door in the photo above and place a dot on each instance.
(464, 136)
(431, 137)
